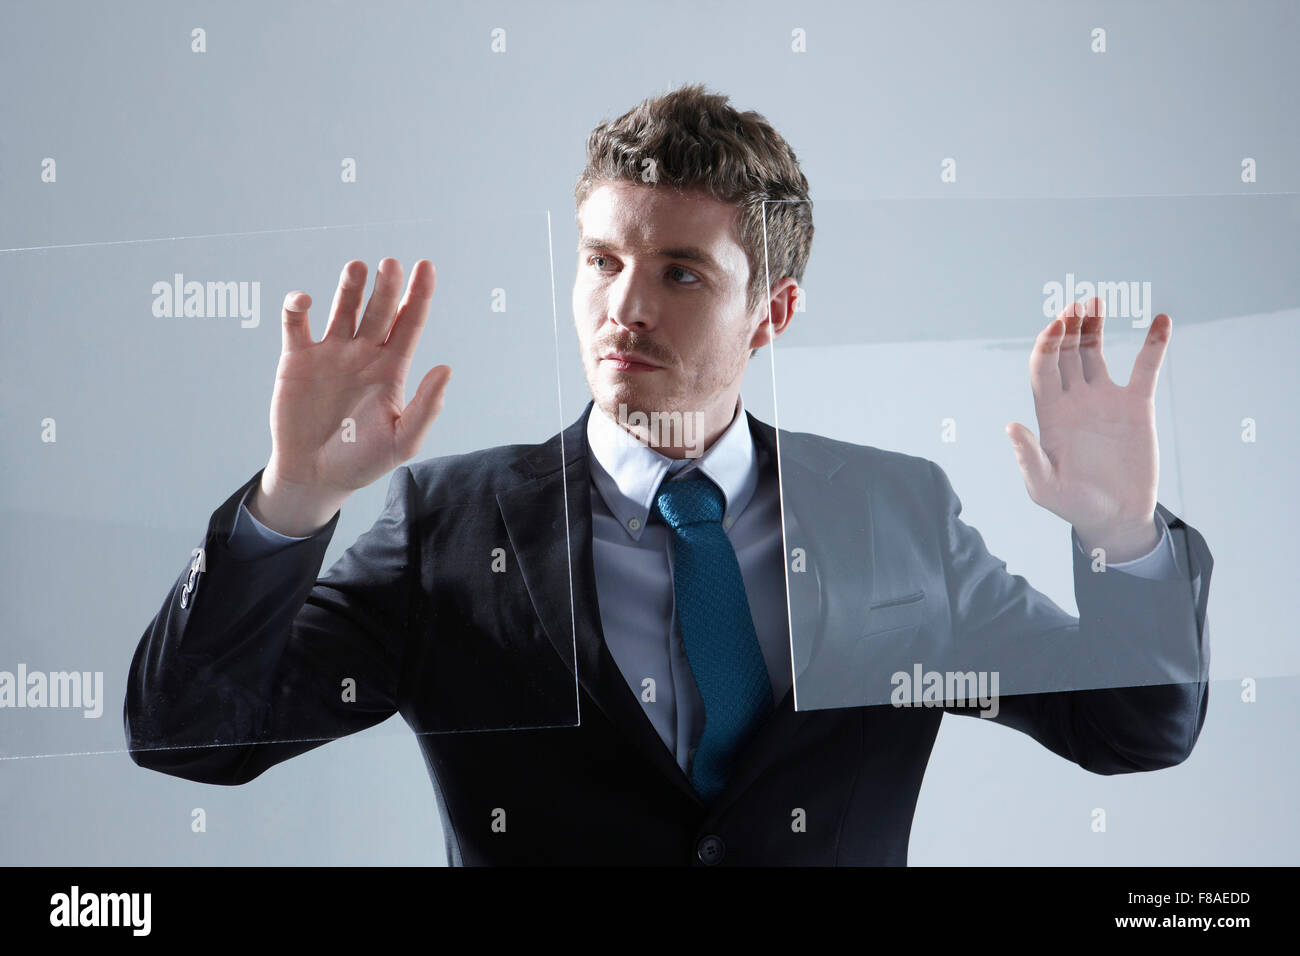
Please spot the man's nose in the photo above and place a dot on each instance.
(631, 301)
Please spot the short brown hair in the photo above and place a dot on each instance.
(696, 140)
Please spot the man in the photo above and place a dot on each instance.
(623, 607)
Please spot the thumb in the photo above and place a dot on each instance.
(1033, 462)
(421, 410)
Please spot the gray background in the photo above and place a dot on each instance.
(159, 420)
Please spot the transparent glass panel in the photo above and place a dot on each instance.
(138, 376)
(896, 380)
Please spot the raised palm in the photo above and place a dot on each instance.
(338, 421)
(1096, 463)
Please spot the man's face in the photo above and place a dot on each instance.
(662, 277)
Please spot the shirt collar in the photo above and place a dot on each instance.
(628, 474)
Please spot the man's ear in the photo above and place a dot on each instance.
(780, 310)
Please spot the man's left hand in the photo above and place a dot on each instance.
(1098, 462)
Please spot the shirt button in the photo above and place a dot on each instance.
(634, 523)
(711, 849)
(728, 521)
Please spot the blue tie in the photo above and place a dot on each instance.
(716, 626)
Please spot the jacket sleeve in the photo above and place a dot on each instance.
(1124, 687)
(252, 660)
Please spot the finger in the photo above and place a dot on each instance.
(1094, 362)
(294, 325)
(414, 310)
(383, 302)
(1035, 466)
(1044, 365)
(422, 409)
(1070, 364)
(1146, 367)
(347, 301)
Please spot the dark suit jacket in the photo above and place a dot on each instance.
(413, 613)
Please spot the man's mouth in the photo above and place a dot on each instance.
(628, 362)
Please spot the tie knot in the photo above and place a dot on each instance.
(690, 501)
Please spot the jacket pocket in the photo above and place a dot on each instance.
(891, 614)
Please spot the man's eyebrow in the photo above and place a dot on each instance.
(689, 253)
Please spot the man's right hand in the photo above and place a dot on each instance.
(337, 415)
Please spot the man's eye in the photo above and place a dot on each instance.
(596, 260)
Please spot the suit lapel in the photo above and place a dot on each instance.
(834, 530)
(535, 519)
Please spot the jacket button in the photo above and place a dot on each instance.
(710, 850)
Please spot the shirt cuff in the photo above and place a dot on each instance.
(249, 538)
(1159, 564)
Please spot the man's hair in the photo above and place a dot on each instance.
(695, 140)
